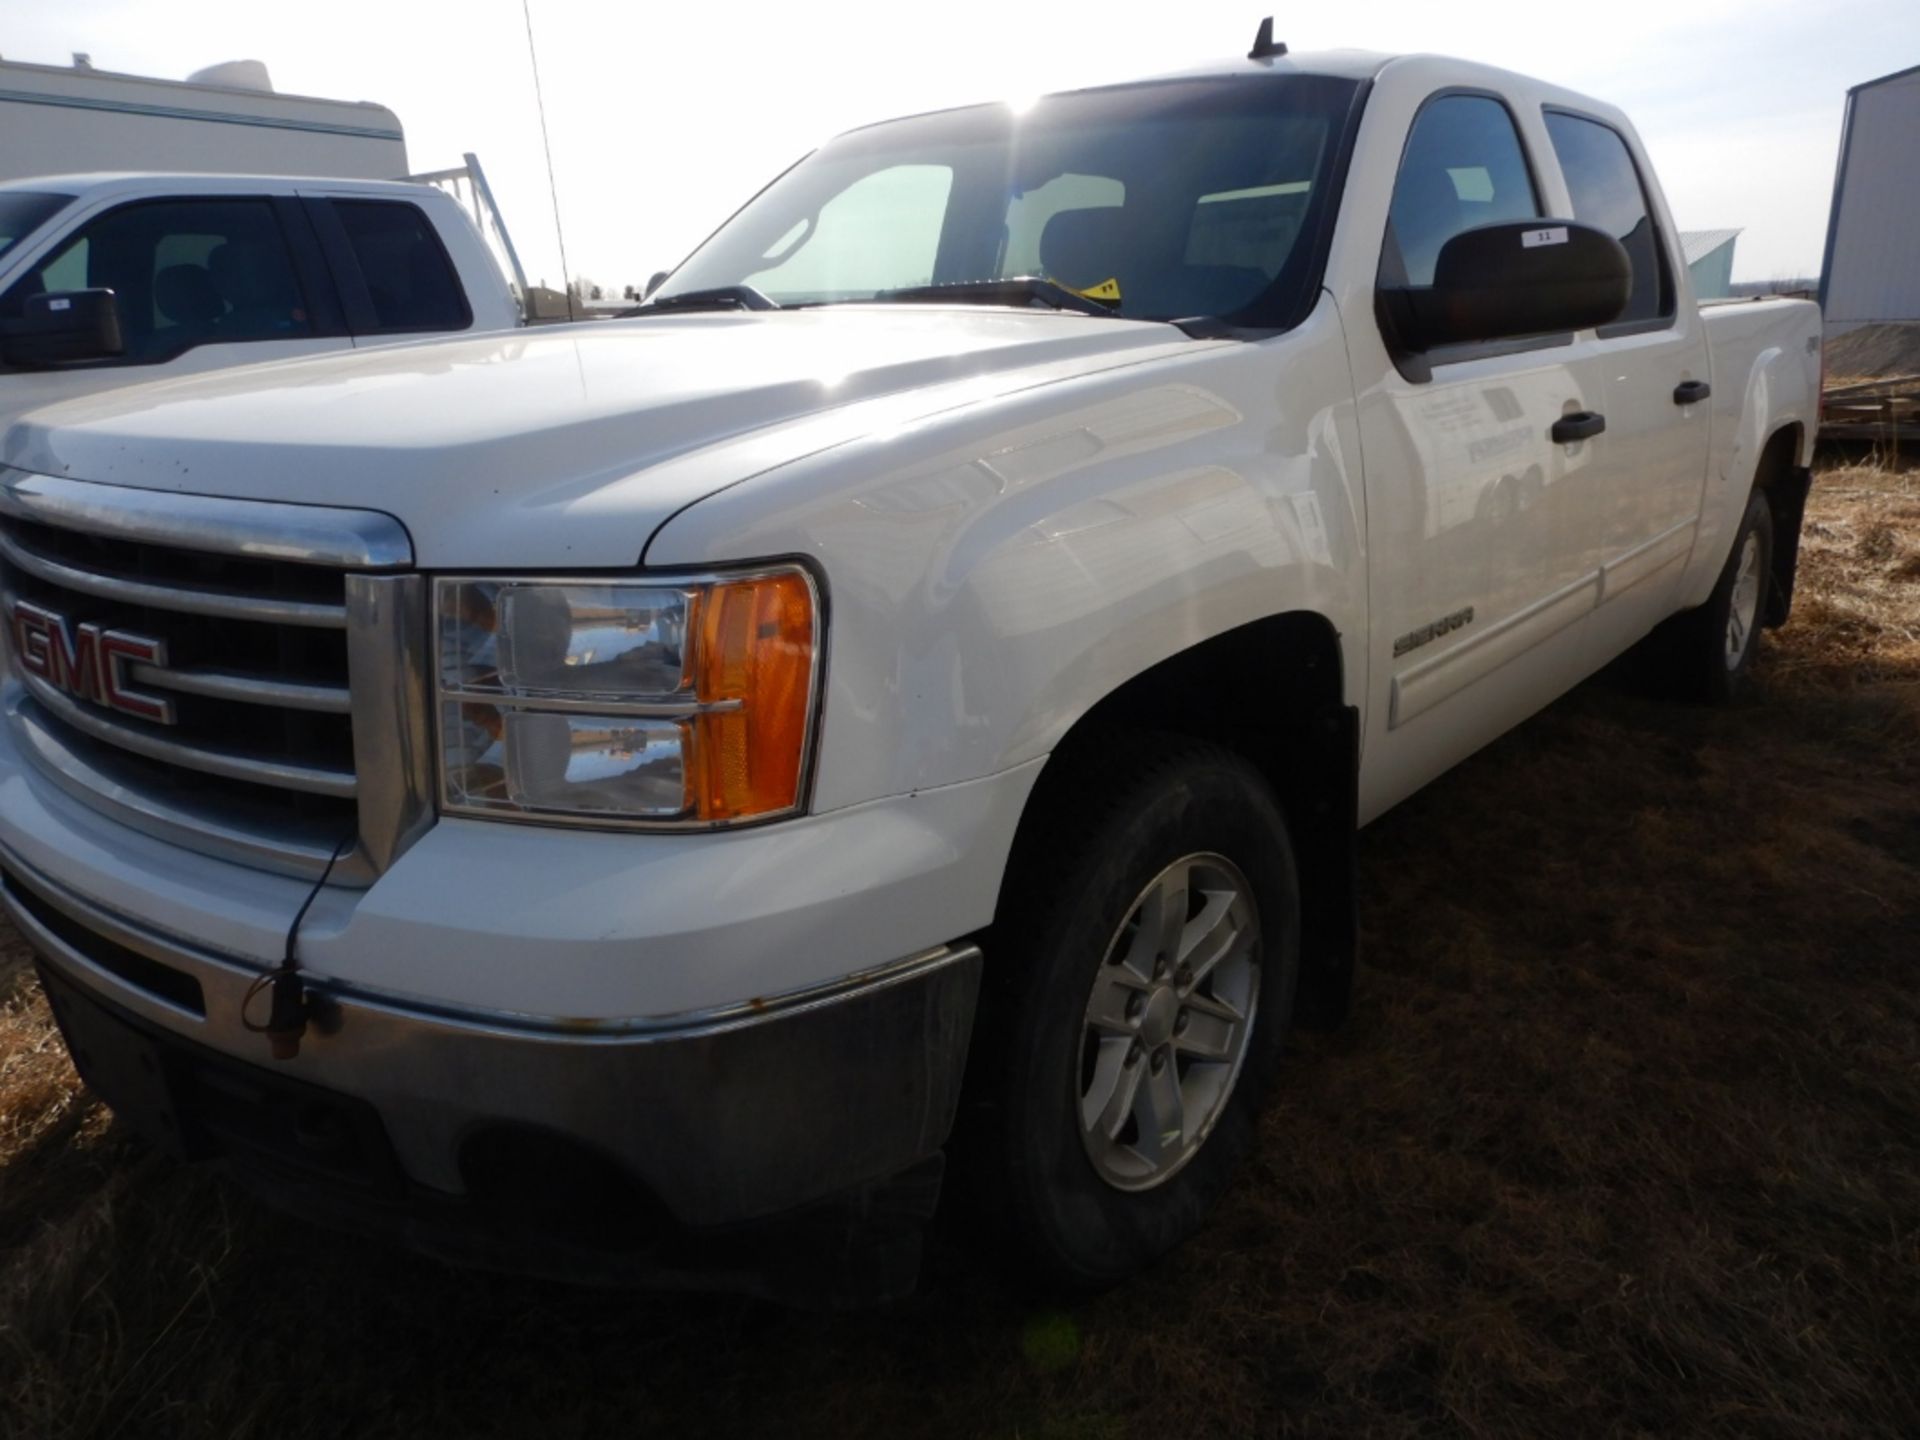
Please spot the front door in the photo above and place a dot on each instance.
(1483, 556)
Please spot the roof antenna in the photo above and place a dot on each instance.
(566, 278)
(1265, 47)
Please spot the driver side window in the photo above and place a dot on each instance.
(185, 273)
(1463, 167)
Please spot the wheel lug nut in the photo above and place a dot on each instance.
(1135, 1004)
(1134, 1052)
(1159, 1061)
(1181, 1024)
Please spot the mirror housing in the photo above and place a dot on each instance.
(1509, 280)
(64, 328)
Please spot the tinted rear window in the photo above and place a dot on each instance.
(409, 278)
(1608, 195)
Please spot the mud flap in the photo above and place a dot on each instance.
(1789, 501)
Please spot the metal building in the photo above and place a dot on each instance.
(1872, 268)
(1709, 257)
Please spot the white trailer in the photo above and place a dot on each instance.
(225, 119)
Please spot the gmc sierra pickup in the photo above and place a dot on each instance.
(631, 799)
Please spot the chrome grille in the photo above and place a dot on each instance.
(263, 618)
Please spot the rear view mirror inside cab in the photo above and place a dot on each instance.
(1509, 280)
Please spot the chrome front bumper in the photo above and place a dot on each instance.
(722, 1117)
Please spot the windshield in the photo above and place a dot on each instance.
(21, 212)
(1164, 201)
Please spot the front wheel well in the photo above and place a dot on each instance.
(1272, 691)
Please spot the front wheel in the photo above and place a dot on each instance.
(1147, 958)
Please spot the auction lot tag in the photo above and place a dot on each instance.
(1533, 239)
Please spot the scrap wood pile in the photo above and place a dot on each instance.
(1873, 384)
(1878, 410)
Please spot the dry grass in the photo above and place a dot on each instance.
(1624, 1139)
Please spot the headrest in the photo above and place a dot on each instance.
(186, 295)
(1081, 247)
(240, 276)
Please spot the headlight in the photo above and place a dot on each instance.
(659, 702)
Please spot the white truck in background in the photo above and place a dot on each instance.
(113, 280)
(606, 799)
(232, 224)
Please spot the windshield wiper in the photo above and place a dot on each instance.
(1014, 290)
(720, 297)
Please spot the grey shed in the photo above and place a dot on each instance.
(1709, 257)
(1871, 272)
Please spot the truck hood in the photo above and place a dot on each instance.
(567, 446)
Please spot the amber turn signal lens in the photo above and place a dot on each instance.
(756, 659)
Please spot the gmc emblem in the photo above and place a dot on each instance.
(86, 661)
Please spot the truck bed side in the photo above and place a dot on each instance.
(1765, 357)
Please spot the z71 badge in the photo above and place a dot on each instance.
(1445, 625)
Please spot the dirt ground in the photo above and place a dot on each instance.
(1624, 1139)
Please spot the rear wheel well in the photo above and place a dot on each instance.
(1784, 481)
(1273, 692)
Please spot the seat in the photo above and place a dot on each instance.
(1426, 214)
(1083, 248)
(260, 295)
(187, 298)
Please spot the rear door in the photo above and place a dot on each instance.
(1655, 462)
(202, 283)
(1482, 552)
(395, 277)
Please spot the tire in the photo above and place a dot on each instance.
(1082, 920)
(1706, 654)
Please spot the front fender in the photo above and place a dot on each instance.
(994, 572)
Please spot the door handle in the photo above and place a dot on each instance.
(1691, 392)
(1580, 425)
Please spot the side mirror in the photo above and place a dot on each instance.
(1516, 278)
(659, 279)
(64, 328)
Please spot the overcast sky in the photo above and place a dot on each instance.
(664, 118)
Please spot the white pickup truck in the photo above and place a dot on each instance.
(931, 662)
(112, 280)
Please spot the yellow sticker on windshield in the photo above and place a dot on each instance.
(1108, 289)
